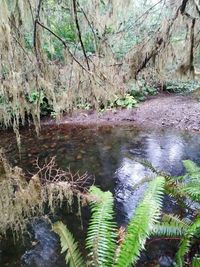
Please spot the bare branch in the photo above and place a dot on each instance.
(79, 32)
(20, 45)
(35, 32)
(65, 46)
(89, 24)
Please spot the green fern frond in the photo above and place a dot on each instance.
(171, 225)
(191, 167)
(68, 244)
(196, 261)
(191, 183)
(146, 216)
(148, 165)
(173, 185)
(101, 238)
(193, 190)
(185, 244)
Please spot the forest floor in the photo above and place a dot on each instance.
(163, 110)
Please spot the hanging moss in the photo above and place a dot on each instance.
(21, 200)
(24, 71)
(29, 41)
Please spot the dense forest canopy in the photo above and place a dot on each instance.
(75, 53)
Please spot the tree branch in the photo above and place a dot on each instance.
(35, 31)
(25, 52)
(89, 24)
(65, 46)
(183, 6)
(79, 32)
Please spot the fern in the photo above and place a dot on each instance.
(196, 261)
(171, 226)
(172, 185)
(186, 242)
(191, 167)
(193, 190)
(140, 227)
(192, 180)
(68, 244)
(101, 238)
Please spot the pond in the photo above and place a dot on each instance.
(111, 155)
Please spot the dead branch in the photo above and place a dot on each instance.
(49, 173)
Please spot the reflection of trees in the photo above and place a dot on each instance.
(164, 150)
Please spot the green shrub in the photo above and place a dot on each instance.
(38, 98)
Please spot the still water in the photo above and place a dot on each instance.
(110, 155)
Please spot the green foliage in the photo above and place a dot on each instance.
(121, 101)
(190, 186)
(83, 104)
(88, 41)
(65, 29)
(181, 86)
(28, 41)
(192, 231)
(101, 237)
(35, 97)
(73, 256)
(61, 23)
(191, 180)
(139, 229)
(191, 168)
(196, 261)
(142, 93)
(126, 101)
(182, 187)
(38, 98)
(171, 225)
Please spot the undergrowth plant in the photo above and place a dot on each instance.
(186, 189)
(102, 242)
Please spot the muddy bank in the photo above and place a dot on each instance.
(165, 110)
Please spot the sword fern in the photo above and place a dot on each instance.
(102, 232)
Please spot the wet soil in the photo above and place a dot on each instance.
(161, 111)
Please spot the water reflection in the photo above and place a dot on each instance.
(131, 181)
(166, 152)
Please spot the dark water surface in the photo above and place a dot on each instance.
(110, 154)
